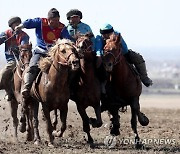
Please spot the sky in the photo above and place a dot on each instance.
(142, 23)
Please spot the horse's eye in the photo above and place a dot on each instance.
(24, 50)
(63, 51)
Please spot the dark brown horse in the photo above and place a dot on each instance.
(87, 92)
(52, 87)
(25, 54)
(123, 88)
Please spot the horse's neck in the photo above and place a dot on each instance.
(19, 68)
(122, 71)
(58, 76)
(88, 70)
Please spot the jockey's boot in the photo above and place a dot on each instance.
(138, 61)
(141, 68)
(29, 77)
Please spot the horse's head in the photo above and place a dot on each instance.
(25, 53)
(84, 44)
(66, 54)
(112, 52)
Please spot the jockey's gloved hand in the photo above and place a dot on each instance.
(18, 28)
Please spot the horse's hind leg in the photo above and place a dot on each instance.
(85, 119)
(96, 122)
(13, 107)
(135, 109)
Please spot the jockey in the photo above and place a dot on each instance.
(12, 40)
(131, 56)
(48, 30)
(75, 25)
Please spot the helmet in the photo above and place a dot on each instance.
(74, 12)
(13, 20)
(106, 28)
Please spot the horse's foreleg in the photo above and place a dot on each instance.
(49, 127)
(29, 126)
(35, 109)
(22, 127)
(13, 107)
(134, 111)
(55, 120)
(96, 123)
(115, 122)
(63, 117)
(85, 119)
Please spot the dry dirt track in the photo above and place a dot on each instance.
(163, 112)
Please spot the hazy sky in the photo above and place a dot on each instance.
(142, 23)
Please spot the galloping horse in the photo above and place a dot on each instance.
(25, 54)
(124, 87)
(87, 91)
(52, 86)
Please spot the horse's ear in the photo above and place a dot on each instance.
(30, 45)
(89, 34)
(118, 38)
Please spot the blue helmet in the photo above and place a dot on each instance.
(106, 28)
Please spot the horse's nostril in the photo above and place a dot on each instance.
(74, 62)
(110, 64)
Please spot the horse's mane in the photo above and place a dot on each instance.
(45, 63)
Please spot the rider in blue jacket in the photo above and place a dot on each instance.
(132, 57)
(75, 25)
(48, 30)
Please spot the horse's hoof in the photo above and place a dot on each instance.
(139, 145)
(115, 132)
(29, 137)
(37, 142)
(22, 127)
(143, 120)
(92, 145)
(50, 145)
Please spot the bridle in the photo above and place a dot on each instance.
(117, 58)
(64, 61)
(21, 64)
(88, 46)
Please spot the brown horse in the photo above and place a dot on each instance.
(124, 87)
(25, 54)
(52, 87)
(87, 91)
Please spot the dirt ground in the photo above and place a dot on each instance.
(162, 135)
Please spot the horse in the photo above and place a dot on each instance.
(25, 54)
(123, 88)
(51, 87)
(87, 91)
